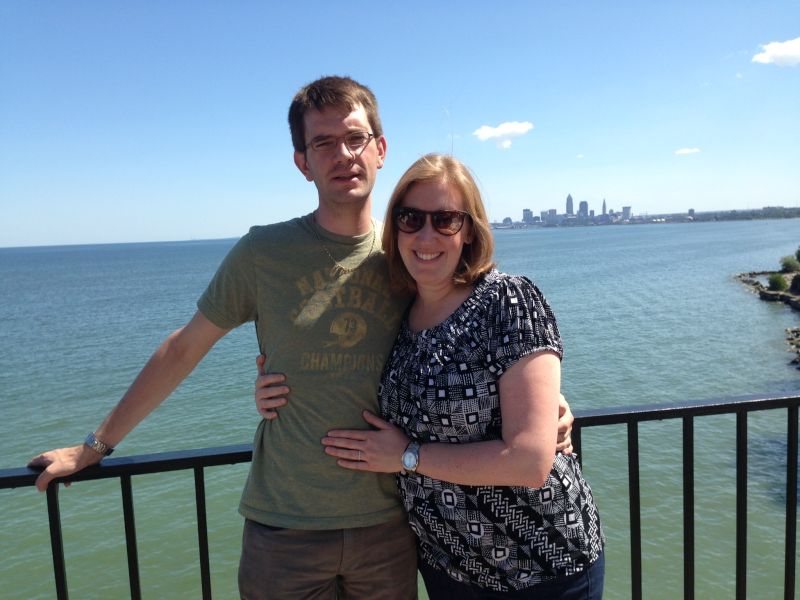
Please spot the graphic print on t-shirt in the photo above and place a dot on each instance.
(341, 311)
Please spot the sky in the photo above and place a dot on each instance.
(154, 121)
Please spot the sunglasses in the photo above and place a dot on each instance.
(446, 222)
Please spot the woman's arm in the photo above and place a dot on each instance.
(529, 399)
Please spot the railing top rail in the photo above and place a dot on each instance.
(689, 408)
(221, 455)
(139, 465)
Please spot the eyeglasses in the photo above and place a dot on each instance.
(446, 222)
(355, 143)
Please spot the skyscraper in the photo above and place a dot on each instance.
(527, 215)
(604, 206)
(569, 204)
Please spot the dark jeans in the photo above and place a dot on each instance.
(582, 586)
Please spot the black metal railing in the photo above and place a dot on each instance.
(688, 411)
(125, 468)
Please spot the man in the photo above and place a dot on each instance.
(317, 289)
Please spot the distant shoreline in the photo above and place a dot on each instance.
(80, 245)
(496, 226)
(553, 220)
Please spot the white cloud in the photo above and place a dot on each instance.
(683, 151)
(739, 76)
(503, 132)
(579, 156)
(783, 54)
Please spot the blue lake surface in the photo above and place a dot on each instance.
(649, 314)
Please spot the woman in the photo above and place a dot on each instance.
(470, 400)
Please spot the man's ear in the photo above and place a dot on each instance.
(381, 142)
(301, 162)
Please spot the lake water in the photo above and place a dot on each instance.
(649, 314)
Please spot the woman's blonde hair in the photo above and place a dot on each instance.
(476, 257)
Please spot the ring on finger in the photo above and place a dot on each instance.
(359, 455)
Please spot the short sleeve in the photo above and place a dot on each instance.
(523, 322)
(230, 298)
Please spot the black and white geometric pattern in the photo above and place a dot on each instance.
(441, 385)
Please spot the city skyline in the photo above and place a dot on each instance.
(131, 122)
(610, 216)
(584, 213)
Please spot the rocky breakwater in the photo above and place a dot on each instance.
(793, 337)
(751, 280)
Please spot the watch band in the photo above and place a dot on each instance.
(98, 446)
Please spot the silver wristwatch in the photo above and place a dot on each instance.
(98, 446)
(410, 458)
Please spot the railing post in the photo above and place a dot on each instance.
(57, 542)
(635, 510)
(130, 537)
(202, 531)
(741, 505)
(688, 508)
(791, 503)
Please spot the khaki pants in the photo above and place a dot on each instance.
(375, 563)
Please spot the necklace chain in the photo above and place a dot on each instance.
(338, 269)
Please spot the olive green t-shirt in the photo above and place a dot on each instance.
(330, 333)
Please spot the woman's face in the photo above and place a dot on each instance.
(432, 257)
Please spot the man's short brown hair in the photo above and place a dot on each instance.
(331, 92)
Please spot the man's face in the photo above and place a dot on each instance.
(342, 175)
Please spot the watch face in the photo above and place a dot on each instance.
(409, 461)
(410, 458)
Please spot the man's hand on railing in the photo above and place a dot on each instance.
(565, 420)
(62, 462)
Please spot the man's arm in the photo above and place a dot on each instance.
(169, 365)
(272, 391)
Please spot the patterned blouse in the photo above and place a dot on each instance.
(440, 385)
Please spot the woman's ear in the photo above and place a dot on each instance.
(470, 235)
